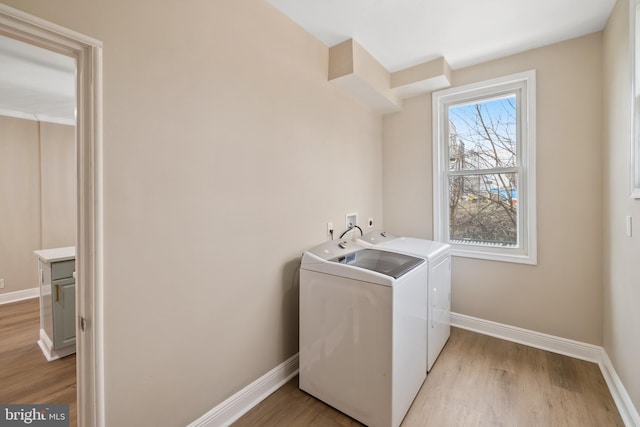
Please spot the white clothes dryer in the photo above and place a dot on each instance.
(363, 330)
(438, 257)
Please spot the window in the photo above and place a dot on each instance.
(484, 169)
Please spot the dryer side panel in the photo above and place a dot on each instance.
(439, 306)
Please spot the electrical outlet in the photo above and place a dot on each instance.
(351, 219)
(1, 283)
(330, 230)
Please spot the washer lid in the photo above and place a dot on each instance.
(375, 238)
(419, 247)
(392, 264)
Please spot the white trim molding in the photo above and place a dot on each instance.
(37, 117)
(567, 347)
(240, 403)
(16, 296)
(627, 410)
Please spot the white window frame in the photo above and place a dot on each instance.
(524, 86)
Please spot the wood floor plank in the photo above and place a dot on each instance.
(25, 375)
(477, 381)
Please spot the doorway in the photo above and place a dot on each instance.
(38, 177)
(87, 53)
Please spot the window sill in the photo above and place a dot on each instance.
(493, 254)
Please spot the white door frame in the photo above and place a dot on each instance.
(89, 254)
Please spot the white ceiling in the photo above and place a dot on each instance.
(403, 33)
(399, 33)
(36, 83)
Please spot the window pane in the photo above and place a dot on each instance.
(482, 135)
(483, 209)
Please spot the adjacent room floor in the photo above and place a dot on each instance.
(25, 375)
(477, 381)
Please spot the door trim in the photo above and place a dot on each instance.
(89, 244)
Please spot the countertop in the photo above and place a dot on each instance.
(56, 254)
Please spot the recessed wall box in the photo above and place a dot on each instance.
(351, 219)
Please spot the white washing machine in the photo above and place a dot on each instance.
(438, 257)
(363, 330)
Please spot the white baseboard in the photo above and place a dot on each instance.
(567, 347)
(16, 296)
(623, 401)
(240, 403)
(576, 349)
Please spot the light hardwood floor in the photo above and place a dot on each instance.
(25, 375)
(477, 381)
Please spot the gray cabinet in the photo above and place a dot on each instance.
(63, 288)
(57, 302)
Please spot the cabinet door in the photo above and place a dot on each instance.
(64, 312)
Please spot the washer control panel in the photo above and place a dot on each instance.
(335, 248)
(377, 237)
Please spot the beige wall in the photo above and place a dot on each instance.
(226, 151)
(37, 190)
(20, 201)
(621, 266)
(407, 180)
(561, 295)
(58, 175)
